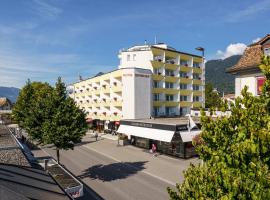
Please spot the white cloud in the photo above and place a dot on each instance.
(256, 40)
(231, 50)
(46, 10)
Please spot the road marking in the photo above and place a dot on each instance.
(115, 159)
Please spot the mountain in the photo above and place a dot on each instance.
(9, 92)
(215, 73)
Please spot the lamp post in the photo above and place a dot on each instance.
(203, 68)
(201, 49)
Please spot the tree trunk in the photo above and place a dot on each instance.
(58, 156)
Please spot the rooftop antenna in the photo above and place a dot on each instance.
(80, 77)
(155, 39)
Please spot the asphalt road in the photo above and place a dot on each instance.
(111, 179)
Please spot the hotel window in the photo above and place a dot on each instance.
(183, 86)
(196, 76)
(183, 75)
(267, 51)
(184, 62)
(156, 111)
(156, 84)
(169, 97)
(156, 71)
(168, 85)
(134, 57)
(196, 64)
(183, 98)
(128, 57)
(156, 97)
(196, 87)
(196, 98)
(169, 73)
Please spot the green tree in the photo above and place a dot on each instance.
(66, 125)
(29, 110)
(212, 98)
(235, 152)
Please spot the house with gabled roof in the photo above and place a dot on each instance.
(247, 69)
(5, 103)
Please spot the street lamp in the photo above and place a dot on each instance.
(201, 49)
(203, 68)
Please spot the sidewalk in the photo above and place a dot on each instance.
(163, 167)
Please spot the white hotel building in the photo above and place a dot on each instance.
(151, 81)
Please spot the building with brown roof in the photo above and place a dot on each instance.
(5, 103)
(247, 69)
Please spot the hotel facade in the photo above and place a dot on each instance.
(151, 81)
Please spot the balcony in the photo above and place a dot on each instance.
(171, 66)
(197, 93)
(197, 70)
(117, 74)
(185, 68)
(197, 104)
(116, 103)
(171, 103)
(185, 92)
(105, 90)
(96, 92)
(185, 80)
(116, 117)
(157, 77)
(185, 104)
(157, 64)
(117, 88)
(158, 103)
(197, 82)
(158, 90)
(172, 79)
(171, 91)
(197, 59)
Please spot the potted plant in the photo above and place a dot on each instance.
(122, 139)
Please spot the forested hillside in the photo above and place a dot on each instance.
(217, 76)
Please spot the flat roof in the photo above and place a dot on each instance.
(168, 121)
(25, 183)
(18, 180)
(105, 73)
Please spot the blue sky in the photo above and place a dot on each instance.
(44, 39)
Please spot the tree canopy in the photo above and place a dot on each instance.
(49, 115)
(234, 150)
(212, 98)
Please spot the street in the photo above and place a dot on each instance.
(112, 178)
